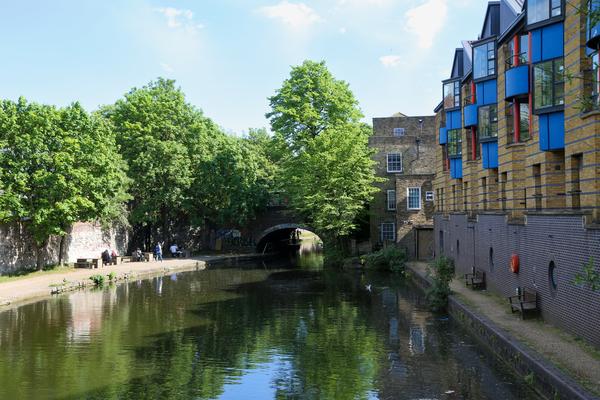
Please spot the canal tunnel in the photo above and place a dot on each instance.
(283, 237)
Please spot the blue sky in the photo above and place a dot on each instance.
(230, 55)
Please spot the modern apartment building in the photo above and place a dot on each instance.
(518, 161)
(402, 210)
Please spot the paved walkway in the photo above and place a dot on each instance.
(33, 288)
(578, 360)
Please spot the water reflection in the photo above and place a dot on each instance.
(263, 331)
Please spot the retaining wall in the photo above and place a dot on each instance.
(84, 240)
(543, 240)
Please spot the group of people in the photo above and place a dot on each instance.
(110, 256)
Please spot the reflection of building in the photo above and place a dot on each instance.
(86, 314)
(517, 166)
(401, 212)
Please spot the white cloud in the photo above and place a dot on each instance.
(426, 21)
(294, 15)
(391, 61)
(180, 19)
(343, 30)
(166, 67)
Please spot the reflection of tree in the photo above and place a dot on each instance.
(318, 331)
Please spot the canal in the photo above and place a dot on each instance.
(276, 330)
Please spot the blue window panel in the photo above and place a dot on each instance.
(489, 154)
(490, 93)
(443, 135)
(552, 131)
(487, 92)
(547, 43)
(536, 45)
(517, 81)
(456, 168)
(471, 115)
(453, 120)
(552, 41)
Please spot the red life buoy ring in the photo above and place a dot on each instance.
(514, 264)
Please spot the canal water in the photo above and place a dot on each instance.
(277, 330)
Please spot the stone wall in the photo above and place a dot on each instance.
(84, 240)
(489, 242)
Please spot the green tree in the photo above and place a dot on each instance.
(232, 181)
(57, 167)
(159, 134)
(309, 102)
(332, 180)
(327, 168)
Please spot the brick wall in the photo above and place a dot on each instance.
(544, 238)
(417, 146)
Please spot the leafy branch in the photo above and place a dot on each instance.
(588, 276)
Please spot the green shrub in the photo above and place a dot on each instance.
(588, 276)
(97, 279)
(112, 276)
(441, 270)
(390, 258)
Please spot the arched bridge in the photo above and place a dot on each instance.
(275, 225)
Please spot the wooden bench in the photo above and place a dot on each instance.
(148, 256)
(88, 263)
(476, 279)
(126, 259)
(526, 302)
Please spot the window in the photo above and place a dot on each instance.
(394, 162)
(484, 60)
(541, 10)
(391, 200)
(388, 232)
(552, 276)
(595, 81)
(451, 95)
(488, 121)
(472, 143)
(522, 52)
(454, 143)
(398, 132)
(413, 196)
(523, 110)
(428, 196)
(548, 78)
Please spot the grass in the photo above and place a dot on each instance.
(26, 274)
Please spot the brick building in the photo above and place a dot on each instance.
(402, 210)
(518, 161)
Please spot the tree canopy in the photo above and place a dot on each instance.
(327, 169)
(57, 166)
(310, 101)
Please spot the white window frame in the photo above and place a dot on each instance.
(391, 206)
(408, 207)
(388, 162)
(399, 132)
(381, 233)
(429, 196)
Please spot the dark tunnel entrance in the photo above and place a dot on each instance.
(287, 238)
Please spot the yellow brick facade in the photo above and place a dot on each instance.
(528, 179)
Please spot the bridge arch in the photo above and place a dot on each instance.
(278, 234)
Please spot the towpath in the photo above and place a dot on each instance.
(32, 288)
(577, 359)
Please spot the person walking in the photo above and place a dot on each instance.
(158, 252)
